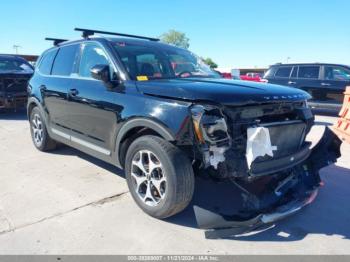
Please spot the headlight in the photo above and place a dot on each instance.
(209, 124)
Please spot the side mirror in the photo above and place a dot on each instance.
(101, 72)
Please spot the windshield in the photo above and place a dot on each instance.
(10, 64)
(160, 62)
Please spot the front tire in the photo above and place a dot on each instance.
(40, 137)
(159, 176)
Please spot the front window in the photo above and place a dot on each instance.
(270, 72)
(92, 55)
(161, 62)
(10, 64)
(284, 71)
(337, 73)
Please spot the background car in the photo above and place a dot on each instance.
(325, 82)
(14, 75)
(255, 77)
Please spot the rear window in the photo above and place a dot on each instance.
(309, 72)
(283, 71)
(46, 62)
(64, 62)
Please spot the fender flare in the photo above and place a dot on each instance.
(141, 122)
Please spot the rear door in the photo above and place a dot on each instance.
(309, 79)
(56, 85)
(334, 81)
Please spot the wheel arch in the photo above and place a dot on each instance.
(135, 128)
(32, 102)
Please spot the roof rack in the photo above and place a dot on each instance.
(90, 32)
(56, 41)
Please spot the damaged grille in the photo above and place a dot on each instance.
(14, 84)
(286, 136)
(287, 124)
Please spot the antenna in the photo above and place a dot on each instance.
(56, 41)
(90, 32)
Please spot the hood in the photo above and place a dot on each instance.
(15, 74)
(223, 91)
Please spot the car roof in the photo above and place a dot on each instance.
(117, 39)
(310, 64)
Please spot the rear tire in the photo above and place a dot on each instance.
(159, 176)
(40, 137)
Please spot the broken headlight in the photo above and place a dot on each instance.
(209, 124)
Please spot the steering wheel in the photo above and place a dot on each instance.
(185, 72)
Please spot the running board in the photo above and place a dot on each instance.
(81, 142)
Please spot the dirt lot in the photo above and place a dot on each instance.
(67, 202)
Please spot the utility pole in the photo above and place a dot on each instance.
(16, 48)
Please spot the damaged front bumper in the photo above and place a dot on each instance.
(222, 226)
(279, 203)
(13, 100)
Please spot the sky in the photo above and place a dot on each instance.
(235, 34)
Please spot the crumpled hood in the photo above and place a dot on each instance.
(224, 91)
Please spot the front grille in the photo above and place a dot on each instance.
(15, 84)
(287, 136)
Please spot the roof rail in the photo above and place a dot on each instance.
(90, 32)
(56, 41)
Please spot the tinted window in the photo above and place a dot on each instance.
(64, 61)
(294, 72)
(92, 55)
(270, 72)
(337, 73)
(46, 62)
(283, 71)
(309, 72)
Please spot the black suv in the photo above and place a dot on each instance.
(325, 82)
(160, 113)
(15, 73)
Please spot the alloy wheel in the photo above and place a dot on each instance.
(37, 128)
(148, 177)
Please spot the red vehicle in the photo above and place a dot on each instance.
(255, 77)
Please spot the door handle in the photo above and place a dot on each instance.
(73, 92)
(43, 88)
(325, 84)
(291, 83)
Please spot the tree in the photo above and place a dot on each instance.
(210, 63)
(176, 38)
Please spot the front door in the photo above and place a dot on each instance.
(92, 105)
(334, 82)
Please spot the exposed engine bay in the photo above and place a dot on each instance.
(262, 151)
